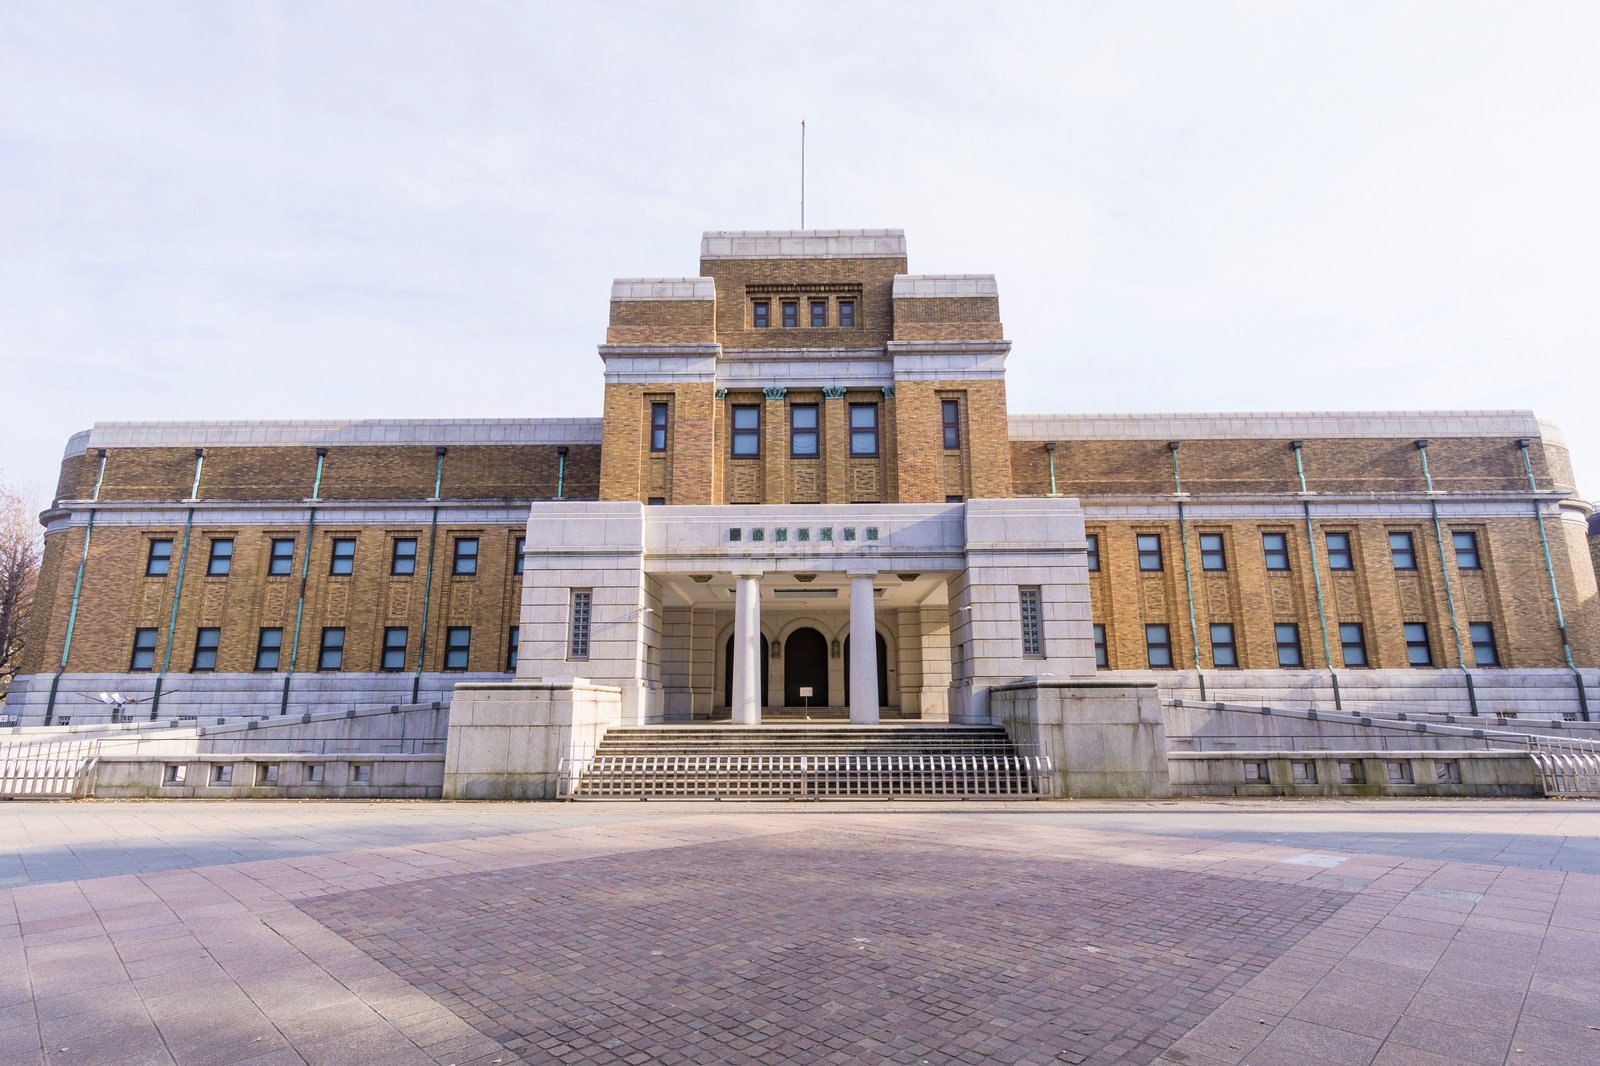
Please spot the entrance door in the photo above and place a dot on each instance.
(805, 665)
(727, 672)
(883, 669)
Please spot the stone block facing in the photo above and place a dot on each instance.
(1105, 739)
(507, 741)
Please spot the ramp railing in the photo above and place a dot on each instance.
(62, 769)
(804, 776)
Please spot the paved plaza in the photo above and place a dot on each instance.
(1193, 933)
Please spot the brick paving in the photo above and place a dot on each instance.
(1386, 933)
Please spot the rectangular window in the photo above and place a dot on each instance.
(1484, 652)
(1466, 550)
(656, 501)
(1339, 556)
(220, 562)
(1212, 555)
(466, 556)
(1275, 546)
(205, 649)
(361, 773)
(1158, 646)
(1032, 625)
(511, 649)
(864, 430)
(1399, 772)
(803, 436)
(1352, 773)
(144, 650)
(791, 314)
(457, 643)
(1100, 658)
(658, 427)
(1353, 643)
(280, 563)
(847, 312)
(343, 563)
(950, 419)
(330, 655)
(1418, 651)
(1403, 551)
(578, 624)
(267, 773)
(222, 775)
(1149, 551)
(159, 562)
(1093, 540)
(394, 649)
(269, 648)
(819, 313)
(1287, 635)
(1224, 654)
(315, 773)
(746, 437)
(403, 559)
(516, 562)
(761, 314)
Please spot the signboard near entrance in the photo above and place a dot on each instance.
(805, 692)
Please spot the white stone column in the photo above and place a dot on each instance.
(863, 649)
(747, 648)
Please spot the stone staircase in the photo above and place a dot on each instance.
(812, 761)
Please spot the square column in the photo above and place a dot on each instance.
(747, 648)
(863, 649)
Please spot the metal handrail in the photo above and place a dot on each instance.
(60, 768)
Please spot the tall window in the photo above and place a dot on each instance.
(159, 562)
(330, 655)
(1093, 540)
(394, 649)
(761, 314)
(1149, 551)
(403, 560)
(1275, 546)
(1158, 646)
(847, 312)
(1100, 657)
(1418, 651)
(578, 625)
(1212, 555)
(466, 556)
(864, 430)
(220, 563)
(803, 438)
(746, 436)
(516, 562)
(791, 314)
(950, 419)
(1339, 556)
(457, 644)
(1287, 636)
(1032, 626)
(819, 313)
(1353, 644)
(343, 562)
(280, 563)
(206, 639)
(511, 649)
(658, 427)
(1403, 551)
(144, 650)
(1466, 543)
(1484, 652)
(1223, 651)
(269, 647)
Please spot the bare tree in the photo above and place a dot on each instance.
(21, 543)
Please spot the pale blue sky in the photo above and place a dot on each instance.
(309, 210)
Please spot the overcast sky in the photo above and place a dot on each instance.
(400, 209)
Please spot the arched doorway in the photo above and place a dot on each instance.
(883, 669)
(805, 665)
(727, 672)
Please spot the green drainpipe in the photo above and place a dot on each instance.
(1316, 572)
(427, 580)
(561, 471)
(77, 592)
(305, 572)
(177, 591)
(1188, 581)
(1555, 592)
(1050, 454)
(1444, 569)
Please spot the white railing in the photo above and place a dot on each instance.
(805, 776)
(63, 769)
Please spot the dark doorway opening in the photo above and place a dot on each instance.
(727, 672)
(883, 669)
(805, 665)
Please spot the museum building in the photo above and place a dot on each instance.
(807, 497)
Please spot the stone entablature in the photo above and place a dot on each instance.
(1285, 425)
(804, 244)
(944, 286)
(332, 433)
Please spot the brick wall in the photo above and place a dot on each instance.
(867, 281)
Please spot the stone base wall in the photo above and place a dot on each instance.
(507, 741)
(272, 776)
(1104, 739)
(1380, 773)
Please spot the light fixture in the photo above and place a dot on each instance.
(777, 650)
(804, 578)
(700, 579)
(909, 577)
(833, 648)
